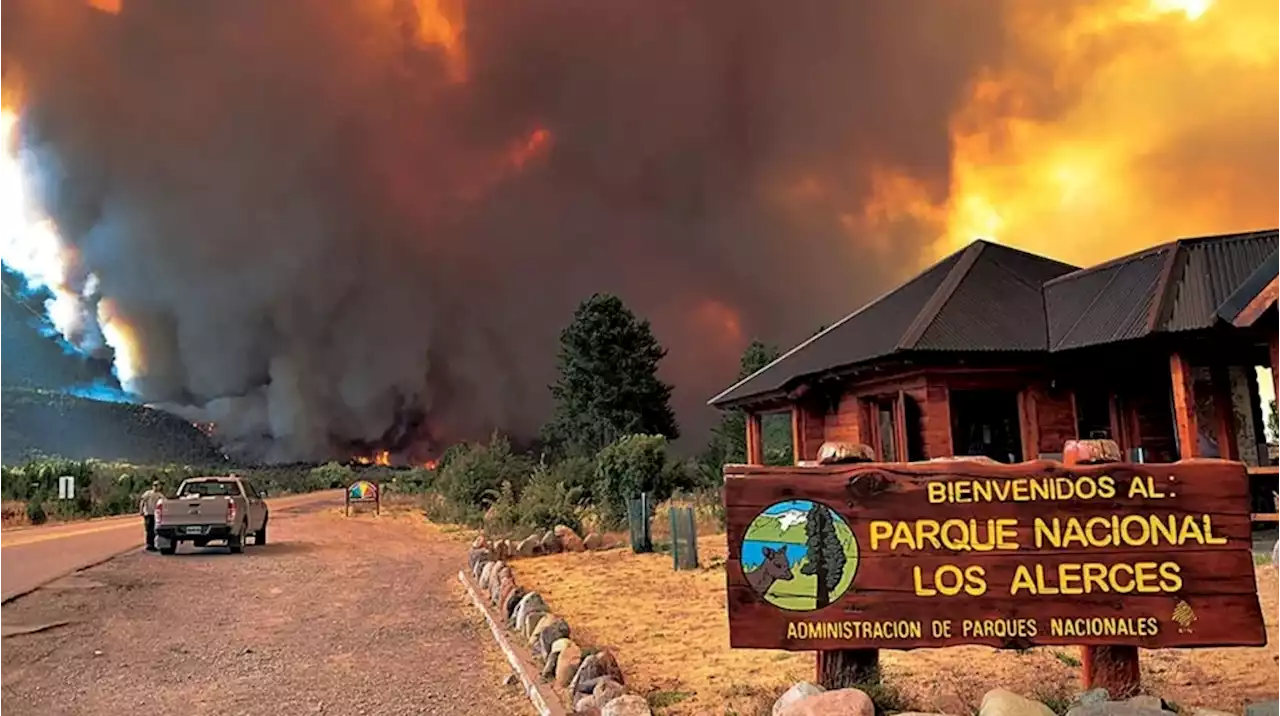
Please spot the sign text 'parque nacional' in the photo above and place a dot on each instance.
(899, 556)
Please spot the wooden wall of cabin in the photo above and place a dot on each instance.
(1049, 419)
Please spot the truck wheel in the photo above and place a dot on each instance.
(260, 537)
(235, 543)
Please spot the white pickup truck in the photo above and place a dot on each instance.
(212, 509)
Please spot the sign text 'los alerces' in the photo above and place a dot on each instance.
(900, 556)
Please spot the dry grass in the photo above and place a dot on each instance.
(13, 513)
(670, 634)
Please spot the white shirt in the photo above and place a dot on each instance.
(147, 505)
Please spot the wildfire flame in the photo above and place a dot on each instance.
(440, 23)
(34, 247)
(111, 7)
(430, 464)
(1100, 176)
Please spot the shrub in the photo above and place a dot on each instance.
(578, 475)
(35, 509)
(473, 477)
(548, 501)
(331, 475)
(626, 468)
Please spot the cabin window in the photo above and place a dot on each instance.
(1093, 415)
(985, 422)
(884, 431)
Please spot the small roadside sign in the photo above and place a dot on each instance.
(66, 487)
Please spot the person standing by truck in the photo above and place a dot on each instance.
(147, 506)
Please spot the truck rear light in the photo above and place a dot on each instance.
(231, 511)
(159, 508)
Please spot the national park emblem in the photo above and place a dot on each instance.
(799, 555)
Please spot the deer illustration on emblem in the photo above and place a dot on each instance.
(775, 567)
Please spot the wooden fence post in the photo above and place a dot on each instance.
(1114, 668)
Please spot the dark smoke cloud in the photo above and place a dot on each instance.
(323, 239)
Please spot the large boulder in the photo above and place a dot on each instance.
(550, 543)
(799, 691)
(505, 588)
(567, 662)
(599, 665)
(549, 668)
(1262, 708)
(1141, 705)
(606, 690)
(593, 541)
(477, 556)
(1002, 702)
(839, 702)
(546, 634)
(531, 621)
(489, 577)
(528, 546)
(569, 540)
(510, 602)
(529, 601)
(628, 705)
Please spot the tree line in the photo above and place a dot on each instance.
(606, 441)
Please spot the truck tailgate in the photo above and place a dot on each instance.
(193, 511)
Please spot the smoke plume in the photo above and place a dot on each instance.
(335, 225)
(316, 215)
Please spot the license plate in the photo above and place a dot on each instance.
(193, 530)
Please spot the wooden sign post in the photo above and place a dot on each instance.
(363, 492)
(911, 555)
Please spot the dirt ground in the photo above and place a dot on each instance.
(337, 615)
(671, 636)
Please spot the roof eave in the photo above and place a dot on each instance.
(1252, 299)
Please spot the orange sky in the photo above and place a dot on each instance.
(1162, 124)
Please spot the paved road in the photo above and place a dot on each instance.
(338, 616)
(31, 557)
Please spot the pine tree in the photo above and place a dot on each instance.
(729, 438)
(826, 558)
(608, 385)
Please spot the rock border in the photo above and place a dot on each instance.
(595, 684)
(546, 702)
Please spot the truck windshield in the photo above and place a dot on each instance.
(211, 489)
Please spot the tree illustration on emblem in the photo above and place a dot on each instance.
(826, 558)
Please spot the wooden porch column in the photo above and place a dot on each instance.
(1114, 668)
(1275, 365)
(797, 434)
(755, 439)
(1224, 414)
(1184, 407)
(1028, 424)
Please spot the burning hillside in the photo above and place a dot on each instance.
(338, 228)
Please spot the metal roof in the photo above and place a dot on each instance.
(984, 297)
(1178, 286)
(989, 297)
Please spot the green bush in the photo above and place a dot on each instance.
(331, 475)
(35, 510)
(473, 476)
(548, 501)
(112, 488)
(626, 468)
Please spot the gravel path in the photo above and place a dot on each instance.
(337, 615)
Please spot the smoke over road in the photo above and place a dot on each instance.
(332, 225)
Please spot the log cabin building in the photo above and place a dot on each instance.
(999, 352)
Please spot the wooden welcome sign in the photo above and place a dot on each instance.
(907, 555)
